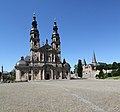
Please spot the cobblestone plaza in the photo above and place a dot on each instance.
(61, 96)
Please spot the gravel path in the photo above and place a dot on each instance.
(61, 96)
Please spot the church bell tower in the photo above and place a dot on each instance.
(56, 40)
(34, 40)
(34, 35)
(94, 61)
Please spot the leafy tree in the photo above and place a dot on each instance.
(118, 65)
(75, 68)
(101, 74)
(13, 75)
(114, 65)
(109, 66)
(79, 69)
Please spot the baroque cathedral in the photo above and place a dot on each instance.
(44, 62)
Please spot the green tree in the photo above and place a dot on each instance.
(75, 68)
(114, 65)
(13, 76)
(79, 69)
(101, 74)
(109, 66)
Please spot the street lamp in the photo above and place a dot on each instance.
(2, 74)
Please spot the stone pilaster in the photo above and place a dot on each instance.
(51, 75)
(32, 75)
(60, 75)
(39, 75)
(26, 76)
(68, 77)
(18, 75)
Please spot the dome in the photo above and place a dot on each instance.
(22, 62)
(27, 58)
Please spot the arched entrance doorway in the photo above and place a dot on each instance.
(29, 77)
(48, 72)
(47, 76)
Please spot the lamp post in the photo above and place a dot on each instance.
(2, 74)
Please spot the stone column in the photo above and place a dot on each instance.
(54, 76)
(42, 57)
(27, 76)
(32, 75)
(60, 75)
(68, 77)
(39, 75)
(39, 57)
(51, 75)
(18, 75)
(54, 58)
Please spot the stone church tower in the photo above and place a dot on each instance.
(94, 62)
(89, 70)
(44, 62)
(34, 41)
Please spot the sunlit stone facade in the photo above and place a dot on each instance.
(44, 62)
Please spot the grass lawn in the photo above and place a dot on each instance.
(116, 78)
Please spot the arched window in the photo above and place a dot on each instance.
(35, 43)
(58, 75)
(52, 57)
(34, 35)
(67, 72)
(22, 73)
(56, 45)
(41, 57)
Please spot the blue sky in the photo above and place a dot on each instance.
(84, 26)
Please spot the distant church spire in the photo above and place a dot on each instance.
(84, 62)
(94, 62)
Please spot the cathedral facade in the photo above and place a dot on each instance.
(44, 62)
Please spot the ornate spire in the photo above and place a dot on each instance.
(34, 25)
(94, 62)
(64, 61)
(84, 62)
(46, 41)
(55, 29)
(34, 22)
(34, 35)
